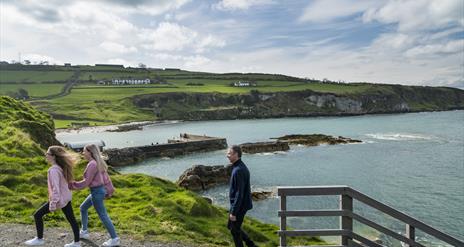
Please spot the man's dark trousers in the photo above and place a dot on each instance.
(238, 234)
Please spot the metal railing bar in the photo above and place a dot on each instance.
(364, 240)
(314, 232)
(315, 213)
(404, 217)
(385, 230)
(312, 190)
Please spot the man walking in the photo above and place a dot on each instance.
(240, 197)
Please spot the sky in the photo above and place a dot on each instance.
(412, 42)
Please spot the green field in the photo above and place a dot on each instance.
(87, 92)
(64, 124)
(102, 105)
(85, 76)
(20, 76)
(223, 82)
(34, 90)
(108, 105)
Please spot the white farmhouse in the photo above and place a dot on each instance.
(244, 84)
(130, 81)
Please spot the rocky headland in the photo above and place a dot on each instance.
(315, 139)
(305, 103)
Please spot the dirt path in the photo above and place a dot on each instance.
(16, 234)
(65, 90)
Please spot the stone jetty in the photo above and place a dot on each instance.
(185, 144)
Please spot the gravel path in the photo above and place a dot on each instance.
(16, 234)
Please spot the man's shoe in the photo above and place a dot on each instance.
(35, 242)
(112, 242)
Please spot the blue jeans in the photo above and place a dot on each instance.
(96, 198)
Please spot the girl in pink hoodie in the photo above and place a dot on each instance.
(59, 195)
(97, 179)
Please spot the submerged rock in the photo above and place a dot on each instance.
(261, 195)
(128, 127)
(316, 139)
(264, 147)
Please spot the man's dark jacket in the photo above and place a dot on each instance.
(240, 189)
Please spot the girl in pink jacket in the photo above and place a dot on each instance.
(97, 180)
(59, 195)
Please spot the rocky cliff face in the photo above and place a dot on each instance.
(385, 99)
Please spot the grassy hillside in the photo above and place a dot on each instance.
(30, 76)
(109, 104)
(33, 89)
(143, 206)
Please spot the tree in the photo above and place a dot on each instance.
(90, 78)
(27, 62)
(23, 94)
(142, 66)
(20, 94)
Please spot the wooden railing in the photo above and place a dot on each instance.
(347, 216)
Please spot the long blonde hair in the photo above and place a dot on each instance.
(96, 155)
(65, 160)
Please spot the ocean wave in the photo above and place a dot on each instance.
(271, 153)
(399, 136)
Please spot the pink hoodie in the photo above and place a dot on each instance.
(93, 178)
(58, 192)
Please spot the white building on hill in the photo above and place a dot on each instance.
(130, 81)
(244, 84)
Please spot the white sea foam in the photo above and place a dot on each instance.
(271, 153)
(399, 136)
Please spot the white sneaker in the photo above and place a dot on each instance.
(112, 242)
(73, 244)
(84, 234)
(34, 242)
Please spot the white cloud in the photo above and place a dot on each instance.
(240, 4)
(121, 61)
(37, 58)
(195, 62)
(157, 7)
(174, 37)
(117, 48)
(169, 37)
(416, 44)
(208, 42)
(86, 25)
(328, 10)
(440, 49)
(395, 41)
(418, 14)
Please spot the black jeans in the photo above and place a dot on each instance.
(68, 212)
(238, 234)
